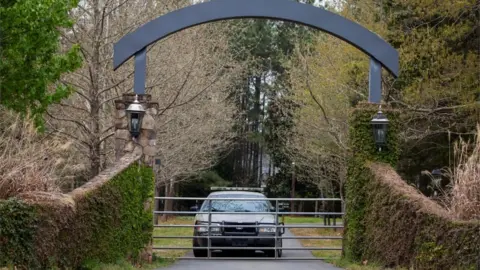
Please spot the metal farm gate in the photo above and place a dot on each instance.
(324, 222)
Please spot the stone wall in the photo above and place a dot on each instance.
(145, 144)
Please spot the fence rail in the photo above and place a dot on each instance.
(216, 230)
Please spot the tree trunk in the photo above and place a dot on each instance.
(256, 128)
(95, 143)
(168, 205)
(263, 136)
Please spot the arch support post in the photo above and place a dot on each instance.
(375, 82)
(140, 73)
(357, 192)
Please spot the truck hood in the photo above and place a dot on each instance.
(247, 218)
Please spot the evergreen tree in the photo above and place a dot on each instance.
(262, 129)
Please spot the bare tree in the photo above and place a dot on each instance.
(195, 117)
(30, 161)
(182, 70)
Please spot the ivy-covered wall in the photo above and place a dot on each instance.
(17, 233)
(107, 219)
(388, 221)
(362, 145)
(405, 228)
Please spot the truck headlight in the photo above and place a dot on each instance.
(214, 227)
(267, 229)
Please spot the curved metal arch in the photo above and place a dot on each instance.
(284, 10)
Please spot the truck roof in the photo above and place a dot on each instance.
(257, 194)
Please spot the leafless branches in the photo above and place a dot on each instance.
(185, 75)
(30, 161)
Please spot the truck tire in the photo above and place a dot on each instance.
(200, 253)
(280, 245)
(271, 253)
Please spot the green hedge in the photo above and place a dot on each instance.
(405, 228)
(17, 233)
(388, 221)
(105, 224)
(362, 146)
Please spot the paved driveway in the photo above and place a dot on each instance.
(256, 263)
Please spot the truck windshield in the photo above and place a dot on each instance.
(232, 205)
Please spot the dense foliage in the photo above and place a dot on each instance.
(438, 87)
(109, 223)
(31, 60)
(17, 233)
(439, 79)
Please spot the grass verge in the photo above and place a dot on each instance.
(173, 254)
(328, 255)
(126, 265)
(302, 220)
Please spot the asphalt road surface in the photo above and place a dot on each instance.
(256, 263)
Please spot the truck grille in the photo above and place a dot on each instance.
(236, 228)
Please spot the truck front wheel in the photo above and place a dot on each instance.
(271, 252)
(198, 253)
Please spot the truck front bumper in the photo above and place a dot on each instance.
(267, 240)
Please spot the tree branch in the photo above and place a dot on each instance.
(85, 128)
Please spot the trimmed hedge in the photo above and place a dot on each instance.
(388, 221)
(405, 228)
(108, 222)
(362, 145)
(17, 233)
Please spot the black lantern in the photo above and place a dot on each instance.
(135, 113)
(380, 126)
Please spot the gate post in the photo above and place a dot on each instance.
(145, 144)
(364, 150)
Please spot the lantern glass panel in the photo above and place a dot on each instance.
(379, 133)
(135, 123)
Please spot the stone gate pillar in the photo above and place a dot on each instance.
(145, 144)
(362, 146)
